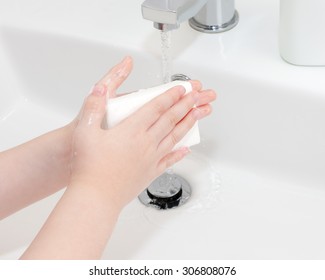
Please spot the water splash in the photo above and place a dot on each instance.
(205, 179)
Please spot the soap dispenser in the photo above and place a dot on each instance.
(302, 32)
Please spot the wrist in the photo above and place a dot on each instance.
(103, 194)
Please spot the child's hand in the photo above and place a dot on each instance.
(122, 161)
(111, 167)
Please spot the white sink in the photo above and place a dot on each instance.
(258, 176)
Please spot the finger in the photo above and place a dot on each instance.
(172, 158)
(206, 96)
(181, 129)
(116, 76)
(202, 111)
(175, 114)
(153, 110)
(196, 85)
(94, 107)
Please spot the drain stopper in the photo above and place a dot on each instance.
(166, 192)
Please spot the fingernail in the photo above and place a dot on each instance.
(125, 60)
(196, 84)
(184, 150)
(99, 90)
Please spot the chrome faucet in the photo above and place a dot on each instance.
(208, 16)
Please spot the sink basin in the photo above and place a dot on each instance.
(258, 175)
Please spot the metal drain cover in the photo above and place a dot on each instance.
(166, 192)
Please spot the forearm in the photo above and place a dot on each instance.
(33, 170)
(78, 228)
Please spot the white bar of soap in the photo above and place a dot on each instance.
(123, 106)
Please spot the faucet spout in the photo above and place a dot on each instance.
(209, 16)
(168, 14)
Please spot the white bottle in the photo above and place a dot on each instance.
(302, 32)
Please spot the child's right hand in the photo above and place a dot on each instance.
(121, 162)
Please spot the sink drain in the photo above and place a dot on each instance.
(180, 77)
(166, 192)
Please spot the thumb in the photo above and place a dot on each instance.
(94, 107)
(117, 75)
